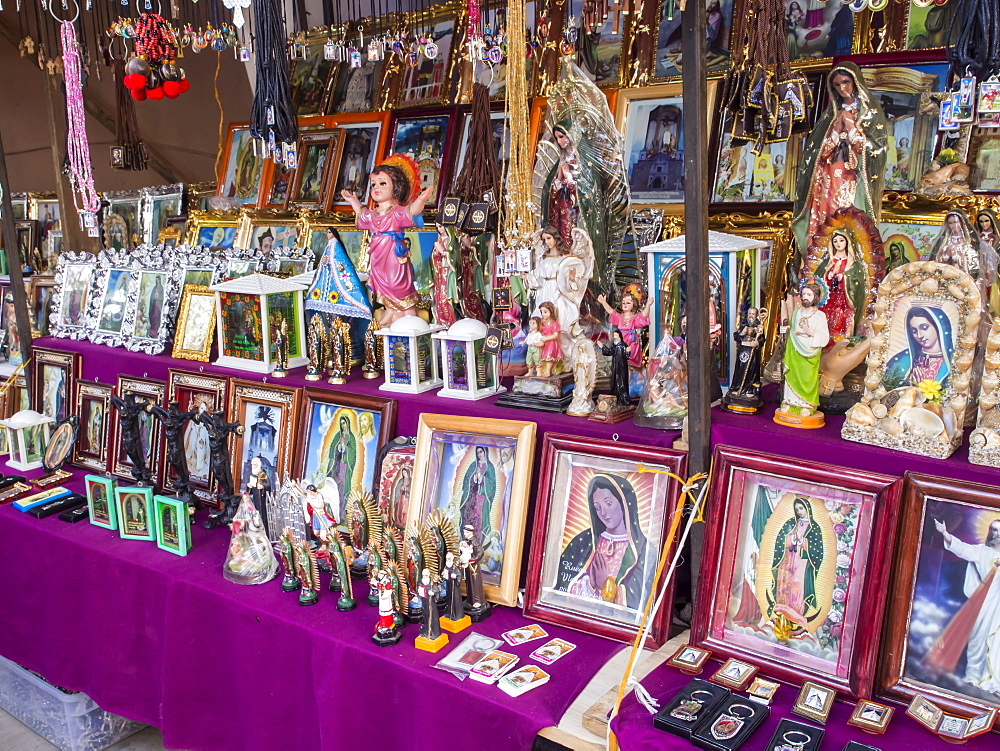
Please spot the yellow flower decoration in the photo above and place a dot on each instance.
(930, 390)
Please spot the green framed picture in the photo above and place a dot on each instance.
(100, 501)
(135, 513)
(173, 530)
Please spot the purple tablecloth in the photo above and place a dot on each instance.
(168, 641)
(635, 732)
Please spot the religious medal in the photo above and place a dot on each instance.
(858, 5)
(430, 50)
(329, 50)
(411, 60)
(687, 710)
(877, 5)
(728, 725)
(496, 55)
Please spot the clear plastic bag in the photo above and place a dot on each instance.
(250, 558)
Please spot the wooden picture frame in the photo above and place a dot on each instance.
(151, 432)
(432, 82)
(195, 331)
(929, 588)
(371, 423)
(417, 133)
(318, 164)
(569, 526)
(665, 53)
(265, 232)
(93, 407)
(53, 377)
(267, 413)
(136, 520)
(847, 521)
(212, 229)
(311, 75)
(365, 136)
(173, 528)
(506, 448)
(102, 504)
(242, 166)
(197, 392)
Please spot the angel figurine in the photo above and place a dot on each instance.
(395, 188)
(561, 274)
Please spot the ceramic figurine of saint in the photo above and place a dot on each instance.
(807, 335)
(618, 351)
(744, 389)
(386, 633)
(471, 555)
(319, 515)
(259, 487)
(959, 244)
(307, 570)
(280, 348)
(534, 343)
(843, 162)
(337, 289)
(843, 272)
(317, 346)
(250, 558)
(551, 355)
(988, 227)
(472, 251)
(430, 639)
(395, 188)
(341, 555)
(561, 274)
(452, 575)
(584, 378)
(286, 549)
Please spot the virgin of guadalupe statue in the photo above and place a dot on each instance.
(847, 287)
(798, 556)
(607, 561)
(336, 289)
(958, 244)
(579, 181)
(843, 162)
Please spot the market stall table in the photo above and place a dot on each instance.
(168, 641)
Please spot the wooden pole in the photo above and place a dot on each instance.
(696, 188)
(14, 263)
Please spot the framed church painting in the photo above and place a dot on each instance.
(941, 631)
(601, 522)
(796, 566)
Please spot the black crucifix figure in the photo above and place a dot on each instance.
(129, 410)
(174, 421)
(218, 441)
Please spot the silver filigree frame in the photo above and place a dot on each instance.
(149, 259)
(109, 262)
(57, 328)
(150, 197)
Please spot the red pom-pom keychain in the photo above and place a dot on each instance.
(156, 93)
(171, 89)
(138, 94)
(134, 81)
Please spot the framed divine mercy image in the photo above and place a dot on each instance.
(601, 522)
(942, 639)
(796, 567)
(477, 471)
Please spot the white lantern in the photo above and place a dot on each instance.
(409, 360)
(469, 371)
(254, 312)
(27, 436)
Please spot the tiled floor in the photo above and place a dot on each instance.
(17, 737)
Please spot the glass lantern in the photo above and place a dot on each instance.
(409, 360)
(27, 436)
(469, 371)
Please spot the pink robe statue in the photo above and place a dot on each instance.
(390, 272)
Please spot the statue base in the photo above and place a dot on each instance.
(290, 584)
(308, 597)
(359, 571)
(370, 374)
(413, 616)
(313, 375)
(456, 626)
(806, 422)
(552, 394)
(838, 402)
(480, 614)
(742, 405)
(430, 645)
(386, 638)
(608, 410)
(334, 586)
(373, 600)
(279, 373)
(336, 380)
(344, 604)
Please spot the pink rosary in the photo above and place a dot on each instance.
(81, 173)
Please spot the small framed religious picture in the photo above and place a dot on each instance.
(926, 712)
(203, 394)
(871, 716)
(195, 324)
(501, 298)
(173, 528)
(601, 524)
(799, 616)
(101, 501)
(814, 701)
(734, 673)
(55, 373)
(762, 689)
(135, 513)
(394, 480)
(92, 406)
(267, 414)
(689, 659)
(150, 430)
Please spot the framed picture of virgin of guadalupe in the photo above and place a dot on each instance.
(796, 564)
(603, 513)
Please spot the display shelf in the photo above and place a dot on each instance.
(104, 364)
(168, 641)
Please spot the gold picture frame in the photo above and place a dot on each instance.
(279, 222)
(206, 225)
(871, 716)
(190, 341)
(449, 444)
(814, 701)
(254, 405)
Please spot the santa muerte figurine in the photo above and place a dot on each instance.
(431, 639)
(218, 442)
(129, 409)
(454, 619)
(174, 422)
(386, 632)
(471, 555)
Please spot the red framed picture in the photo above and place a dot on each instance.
(601, 523)
(426, 135)
(941, 636)
(795, 567)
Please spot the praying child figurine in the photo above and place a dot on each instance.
(395, 188)
(533, 357)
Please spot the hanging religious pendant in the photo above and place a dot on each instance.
(430, 50)
(726, 727)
